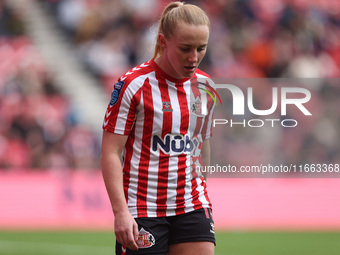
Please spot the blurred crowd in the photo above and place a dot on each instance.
(38, 128)
(249, 39)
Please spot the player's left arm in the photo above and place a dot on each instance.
(205, 156)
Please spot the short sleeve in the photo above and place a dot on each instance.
(120, 114)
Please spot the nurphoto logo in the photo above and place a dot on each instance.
(243, 104)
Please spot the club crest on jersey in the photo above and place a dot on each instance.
(117, 88)
(167, 107)
(196, 108)
(145, 239)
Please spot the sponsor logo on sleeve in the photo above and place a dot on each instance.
(117, 88)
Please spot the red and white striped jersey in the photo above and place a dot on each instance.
(163, 120)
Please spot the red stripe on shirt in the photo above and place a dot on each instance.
(210, 105)
(182, 99)
(194, 193)
(163, 171)
(143, 168)
(129, 146)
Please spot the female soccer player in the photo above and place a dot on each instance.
(160, 202)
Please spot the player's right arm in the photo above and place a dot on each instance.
(125, 227)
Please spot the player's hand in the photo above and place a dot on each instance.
(126, 230)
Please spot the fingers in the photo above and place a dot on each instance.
(127, 239)
(127, 235)
(135, 231)
(132, 245)
(133, 238)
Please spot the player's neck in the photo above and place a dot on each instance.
(166, 67)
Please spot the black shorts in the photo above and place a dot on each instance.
(157, 233)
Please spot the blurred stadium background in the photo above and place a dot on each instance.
(58, 62)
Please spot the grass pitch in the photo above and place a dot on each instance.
(228, 243)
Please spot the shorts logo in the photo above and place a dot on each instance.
(117, 88)
(212, 230)
(145, 239)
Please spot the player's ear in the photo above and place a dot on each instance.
(162, 40)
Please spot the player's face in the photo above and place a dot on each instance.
(185, 49)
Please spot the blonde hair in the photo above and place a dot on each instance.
(174, 13)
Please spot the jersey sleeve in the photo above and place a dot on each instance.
(120, 114)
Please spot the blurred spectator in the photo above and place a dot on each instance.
(10, 24)
(36, 120)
